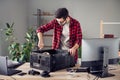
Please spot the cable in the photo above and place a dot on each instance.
(12, 78)
(96, 77)
(88, 76)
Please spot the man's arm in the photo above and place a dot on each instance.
(78, 40)
(43, 29)
(40, 38)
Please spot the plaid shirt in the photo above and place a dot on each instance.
(75, 32)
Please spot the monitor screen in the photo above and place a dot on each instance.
(92, 51)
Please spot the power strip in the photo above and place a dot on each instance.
(81, 69)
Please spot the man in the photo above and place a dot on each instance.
(67, 32)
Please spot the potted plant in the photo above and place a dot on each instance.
(17, 51)
(29, 45)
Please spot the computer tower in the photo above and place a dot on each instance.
(51, 60)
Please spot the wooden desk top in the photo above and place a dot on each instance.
(60, 75)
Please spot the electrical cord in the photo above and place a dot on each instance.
(96, 78)
(88, 76)
(12, 78)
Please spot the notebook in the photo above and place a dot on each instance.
(4, 69)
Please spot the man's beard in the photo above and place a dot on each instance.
(62, 24)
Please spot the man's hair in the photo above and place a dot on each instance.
(61, 13)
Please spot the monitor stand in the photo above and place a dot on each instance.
(104, 73)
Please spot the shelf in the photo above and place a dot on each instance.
(47, 46)
(105, 23)
(42, 18)
(47, 35)
(43, 14)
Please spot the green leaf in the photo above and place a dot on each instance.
(15, 59)
(28, 35)
(7, 34)
(22, 58)
(15, 45)
(12, 24)
(8, 26)
(13, 53)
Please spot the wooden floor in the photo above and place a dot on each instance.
(63, 75)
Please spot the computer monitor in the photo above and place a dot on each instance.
(96, 52)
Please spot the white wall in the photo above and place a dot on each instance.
(88, 12)
(13, 11)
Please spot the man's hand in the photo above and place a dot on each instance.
(72, 51)
(40, 44)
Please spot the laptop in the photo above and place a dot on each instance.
(4, 69)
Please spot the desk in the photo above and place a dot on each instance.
(61, 75)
